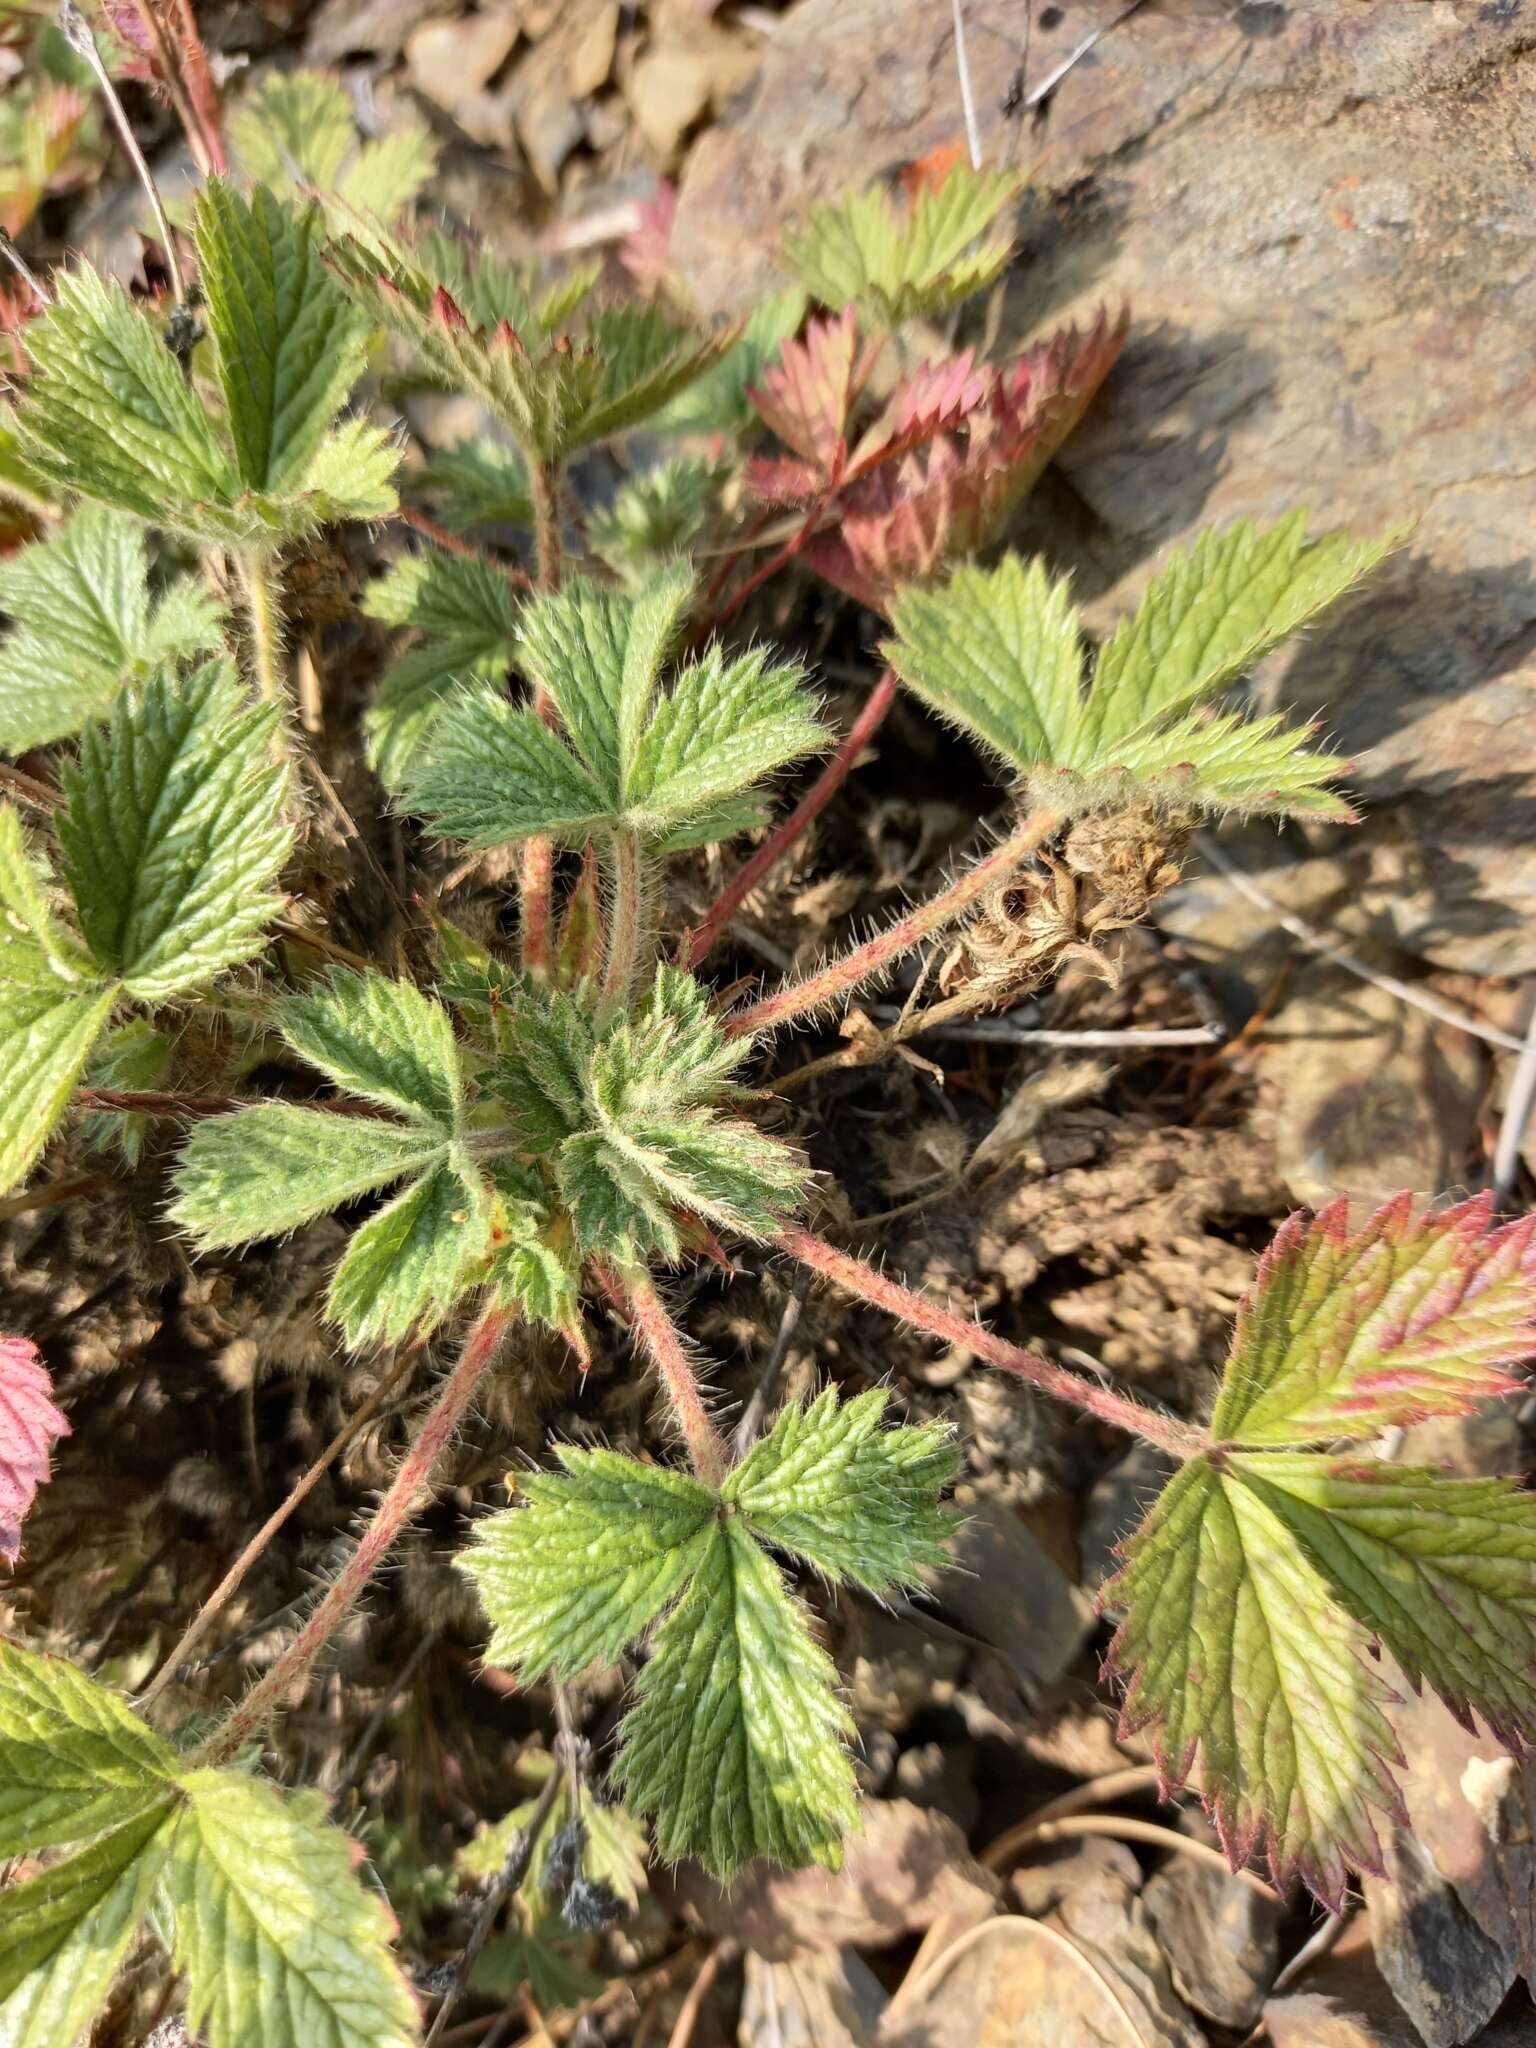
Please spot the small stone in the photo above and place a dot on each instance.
(1220, 1936)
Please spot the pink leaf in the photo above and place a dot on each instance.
(807, 395)
(646, 252)
(30, 1423)
(1344, 1333)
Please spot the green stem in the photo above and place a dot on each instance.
(263, 605)
(659, 1336)
(869, 1284)
(626, 916)
(842, 976)
(537, 873)
(389, 1518)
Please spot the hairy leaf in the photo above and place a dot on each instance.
(807, 398)
(349, 477)
(107, 413)
(64, 1934)
(1344, 1333)
(997, 651)
(641, 760)
(36, 951)
(903, 261)
(261, 1171)
(173, 831)
(736, 1741)
(381, 1039)
(31, 1422)
(406, 1266)
(275, 1933)
(290, 346)
(74, 1762)
(480, 482)
(84, 624)
(584, 1569)
(653, 520)
(299, 125)
(465, 606)
(133, 1055)
(49, 1033)
(1235, 1651)
(719, 402)
(1437, 1569)
(858, 1501)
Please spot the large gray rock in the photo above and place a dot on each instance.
(1319, 212)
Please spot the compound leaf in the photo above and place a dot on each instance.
(107, 413)
(64, 1933)
(290, 346)
(583, 1570)
(406, 1266)
(349, 477)
(465, 605)
(724, 725)
(84, 625)
(858, 1501)
(997, 652)
(258, 1172)
(381, 1039)
(293, 122)
(479, 482)
(736, 1743)
(31, 1422)
(276, 1935)
(904, 261)
(1235, 1650)
(173, 831)
(1440, 1570)
(74, 1762)
(494, 772)
(1342, 1334)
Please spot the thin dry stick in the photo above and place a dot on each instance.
(681, 2035)
(77, 32)
(1120, 1828)
(1013, 1928)
(967, 97)
(794, 827)
(224, 1591)
(659, 1335)
(40, 796)
(1110, 1785)
(1319, 942)
(390, 1517)
(867, 1283)
(508, 1878)
(24, 270)
(1517, 1114)
(843, 975)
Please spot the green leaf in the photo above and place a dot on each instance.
(133, 1055)
(276, 1936)
(858, 1501)
(466, 597)
(380, 1039)
(581, 1571)
(410, 696)
(81, 605)
(1235, 1650)
(290, 347)
(31, 929)
(998, 652)
(479, 482)
(107, 413)
(510, 1964)
(300, 125)
(717, 402)
(259, 1172)
(349, 477)
(49, 1034)
(406, 1266)
(736, 1743)
(1439, 1570)
(64, 1934)
(1343, 1334)
(173, 831)
(641, 759)
(906, 261)
(533, 1264)
(653, 519)
(74, 1762)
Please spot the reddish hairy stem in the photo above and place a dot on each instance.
(857, 1277)
(771, 567)
(658, 1334)
(537, 875)
(222, 1593)
(842, 976)
(201, 90)
(805, 813)
(389, 1518)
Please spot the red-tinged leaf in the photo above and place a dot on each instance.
(963, 450)
(646, 251)
(30, 1424)
(930, 173)
(807, 395)
(1344, 1333)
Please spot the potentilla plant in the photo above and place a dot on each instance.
(514, 1133)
